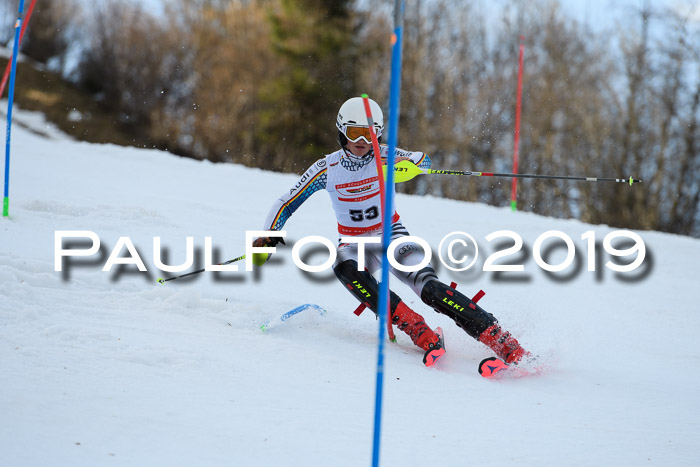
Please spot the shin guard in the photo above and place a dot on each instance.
(366, 289)
(465, 312)
(478, 323)
(362, 285)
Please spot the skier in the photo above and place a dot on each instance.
(350, 177)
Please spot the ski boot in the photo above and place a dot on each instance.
(414, 325)
(477, 322)
(506, 346)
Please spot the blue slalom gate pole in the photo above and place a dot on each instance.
(388, 210)
(10, 99)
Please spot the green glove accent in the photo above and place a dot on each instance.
(260, 258)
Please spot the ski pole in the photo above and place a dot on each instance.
(163, 281)
(406, 170)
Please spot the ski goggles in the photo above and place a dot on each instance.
(355, 133)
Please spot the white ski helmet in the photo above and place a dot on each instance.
(352, 115)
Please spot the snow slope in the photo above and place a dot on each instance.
(111, 368)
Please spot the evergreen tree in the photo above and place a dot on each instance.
(314, 39)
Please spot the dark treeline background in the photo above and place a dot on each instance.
(259, 83)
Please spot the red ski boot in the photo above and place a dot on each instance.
(506, 346)
(414, 325)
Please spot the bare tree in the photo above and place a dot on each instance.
(258, 82)
(227, 57)
(678, 159)
(8, 15)
(48, 33)
(132, 63)
(658, 136)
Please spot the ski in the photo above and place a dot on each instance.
(277, 321)
(495, 368)
(490, 367)
(433, 355)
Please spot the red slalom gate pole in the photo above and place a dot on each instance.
(382, 187)
(21, 35)
(516, 144)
